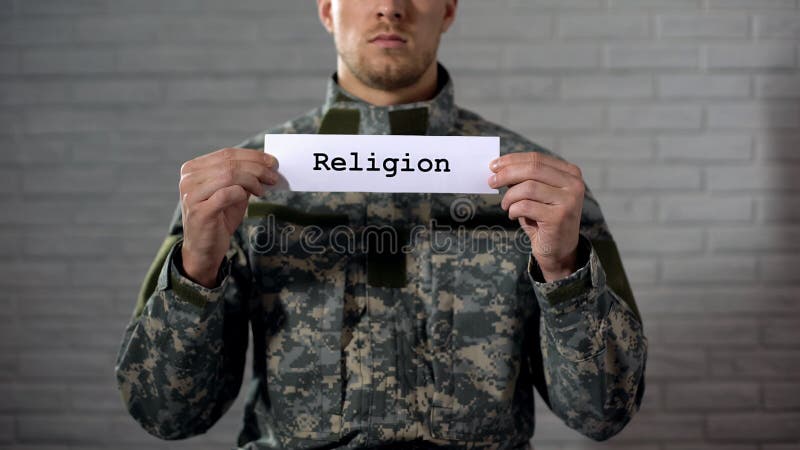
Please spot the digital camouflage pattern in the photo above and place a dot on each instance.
(439, 345)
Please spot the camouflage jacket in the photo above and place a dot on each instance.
(439, 338)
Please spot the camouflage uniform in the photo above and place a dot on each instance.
(431, 343)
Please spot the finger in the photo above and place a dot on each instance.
(203, 191)
(512, 174)
(230, 154)
(225, 197)
(228, 168)
(533, 190)
(535, 159)
(531, 210)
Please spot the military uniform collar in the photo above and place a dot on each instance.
(343, 113)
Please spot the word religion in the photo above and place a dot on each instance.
(322, 161)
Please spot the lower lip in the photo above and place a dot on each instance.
(388, 43)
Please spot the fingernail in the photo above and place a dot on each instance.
(492, 180)
(494, 165)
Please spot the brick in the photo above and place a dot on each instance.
(655, 117)
(112, 274)
(34, 212)
(527, 5)
(753, 178)
(9, 181)
(67, 62)
(649, 240)
(605, 148)
(30, 93)
(61, 120)
(211, 89)
(627, 208)
(499, 24)
(9, 62)
(311, 89)
(658, 178)
(73, 180)
(706, 209)
(709, 270)
(752, 426)
(117, 91)
(765, 4)
(163, 59)
(640, 271)
(606, 87)
(661, 426)
(551, 56)
(12, 122)
(778, 86)
(29, 31)
(238, 30)
(68, 334)
(777, 208)
(31, 273)
(751, 56)
(475, 57)
(713, 302)
(117, 148)
(719, 333)
(37, 301)
(603, 26)
(712, 396)
(703, 86)
(778, 268)
(633, 4)
(773, 26)
(761, 115)
(555, 117)
(706, 446)
(779, 146)
(34, 149)
(62, 366)
(7, 432)
(27, 398)
(782, 396)
(703, 26)
(244, 119)
(755, 238)
(79, 243)
(760, 363)
(655, 56)
(781, 332)
(77, 7)
(706, 147)
(302, 27)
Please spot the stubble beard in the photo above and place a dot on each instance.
(389, 76)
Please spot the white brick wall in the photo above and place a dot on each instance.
(684, 114)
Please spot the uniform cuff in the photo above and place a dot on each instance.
(189, 291)
(571, 288)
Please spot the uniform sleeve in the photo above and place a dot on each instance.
(182, 357)
(593, 348)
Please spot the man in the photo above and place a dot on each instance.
(415, 349)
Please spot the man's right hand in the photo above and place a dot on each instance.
(214, 190)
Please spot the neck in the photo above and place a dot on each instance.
(423, 89)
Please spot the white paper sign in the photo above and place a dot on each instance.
(368, 163)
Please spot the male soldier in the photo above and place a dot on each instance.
(420, 348)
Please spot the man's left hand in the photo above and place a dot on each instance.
(546, 195)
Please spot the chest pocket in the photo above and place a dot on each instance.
(302, 284)
(476, 334)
